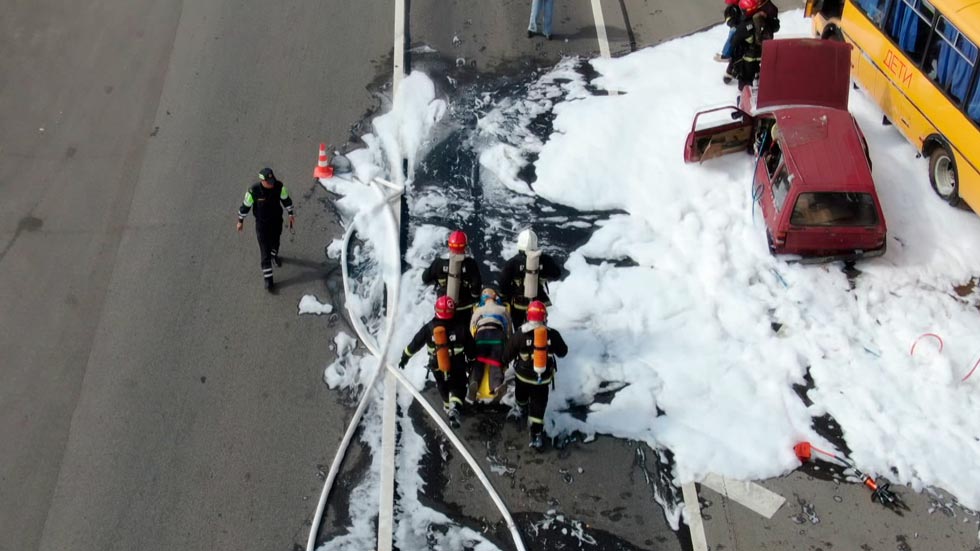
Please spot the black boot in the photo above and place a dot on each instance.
(269, 284)
(453, 414)
(537, 441)
(276, 259)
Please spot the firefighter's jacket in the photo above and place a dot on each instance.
(459, 341)
(520, 349)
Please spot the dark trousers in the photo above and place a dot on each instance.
(535, 399)
(452, 388)
(518, 313)
(268, 235)
(462, 316)
(489, 352)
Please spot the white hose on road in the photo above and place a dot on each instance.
(371, 344)
(515, 534)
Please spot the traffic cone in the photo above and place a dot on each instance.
(803, 451)
(323, 168)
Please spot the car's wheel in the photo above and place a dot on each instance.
(942, 175)
(832, 32)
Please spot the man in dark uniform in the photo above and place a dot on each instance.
(760, 21)
(469, 285)
(268, 196)
(531, 383)
(460, 348)
(515, 271)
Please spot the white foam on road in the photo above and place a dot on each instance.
(310, 305)
(690, 327)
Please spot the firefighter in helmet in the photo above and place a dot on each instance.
(760, 22)
(456, 275)
(525, 277)
(534, 348)
(450, 348)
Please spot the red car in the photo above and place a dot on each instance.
(813, 174)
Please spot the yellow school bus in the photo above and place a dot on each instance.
(918, 60)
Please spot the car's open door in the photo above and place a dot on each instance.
(717, 132)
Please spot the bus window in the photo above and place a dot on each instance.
(950, 60)
(909, 25)
(875, 9)
(973, 106)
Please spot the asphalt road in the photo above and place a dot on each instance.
(152, 395)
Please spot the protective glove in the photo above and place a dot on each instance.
(403, 362)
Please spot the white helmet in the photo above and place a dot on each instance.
(527, 241)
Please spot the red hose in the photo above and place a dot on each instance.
(933, 335)
(963, 380)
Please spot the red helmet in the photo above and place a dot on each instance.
(536, 311)
(445, 307)
(457, 242)
(749, 6)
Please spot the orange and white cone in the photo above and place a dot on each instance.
(323, 168)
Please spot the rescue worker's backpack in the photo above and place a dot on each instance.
(442, 349)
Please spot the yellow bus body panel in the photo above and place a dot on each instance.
(915, 106)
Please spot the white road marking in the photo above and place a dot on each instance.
(698, 540)
(600, 27)
(749, 494)
(386, 499)
(399, 67)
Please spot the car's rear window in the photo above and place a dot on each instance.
(828, 208)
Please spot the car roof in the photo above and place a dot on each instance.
(824, 149)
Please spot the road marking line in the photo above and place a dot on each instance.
(694, 521)
(600, 28)
(399, 54)
(749, 494)
(386, 498)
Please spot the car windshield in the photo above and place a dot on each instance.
(828, 208)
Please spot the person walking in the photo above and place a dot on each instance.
(541, 10)
(267, 197)
(457, 276)
(533, 349)
(526, 275)
(491, 326)
(450, 349)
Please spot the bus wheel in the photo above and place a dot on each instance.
(832, 32)
(942, 175)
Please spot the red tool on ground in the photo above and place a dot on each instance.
(879, 492)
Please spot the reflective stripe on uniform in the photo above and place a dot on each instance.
(533, 381)
(454, 400)
(248, 201)
(284, 194)
(537, 420)
(455, 351)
